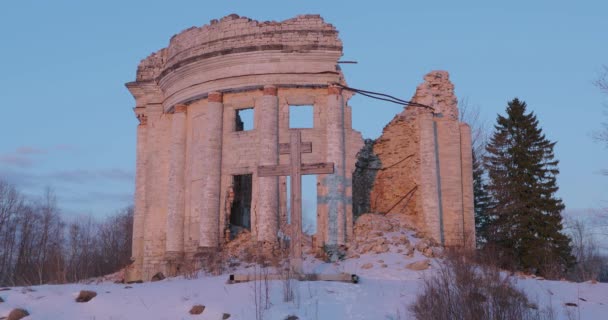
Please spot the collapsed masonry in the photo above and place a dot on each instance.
(198, 184)
(420, 169)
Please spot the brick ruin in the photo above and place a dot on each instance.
(420, 168)
(197, 183)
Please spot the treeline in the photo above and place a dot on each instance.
(38, 245)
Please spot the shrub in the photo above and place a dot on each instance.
(462, 290)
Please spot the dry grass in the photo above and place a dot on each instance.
(462, 290)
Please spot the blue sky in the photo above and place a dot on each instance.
(66, 118)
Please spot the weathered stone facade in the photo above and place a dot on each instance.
(192, 154)
(426, 173)
(197, 179)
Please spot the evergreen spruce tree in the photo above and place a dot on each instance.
(481, 200)
(524, 217)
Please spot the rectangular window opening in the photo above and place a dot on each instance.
(301, 117)
(240, 209)
(244, 119)
(309, 203)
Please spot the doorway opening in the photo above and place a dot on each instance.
(240, 210)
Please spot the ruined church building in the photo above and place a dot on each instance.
(197, 172)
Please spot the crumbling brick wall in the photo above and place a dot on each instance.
(426, 174)
(190, 145)
(395, 190)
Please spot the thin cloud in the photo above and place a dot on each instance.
(27, 179)
(16, 160)
(85, 176)
(30, 150)
(21, 157)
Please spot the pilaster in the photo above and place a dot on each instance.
(175, 185)
(468, 207)
(137, 255)
(335, 183)
(428, 176)
(210, 149)
(267, 219)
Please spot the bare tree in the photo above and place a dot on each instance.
(37, 245)
(471, 115)
(585, 249)
(11, 205)
(82, 251)
(115, 240)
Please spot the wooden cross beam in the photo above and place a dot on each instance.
(295, 169)
(341, 277)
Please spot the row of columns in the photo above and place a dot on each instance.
(205, 178)
(207, 171)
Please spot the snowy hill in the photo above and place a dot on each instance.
(385, 290)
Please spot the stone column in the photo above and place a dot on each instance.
(430, 201)
(175, 192)
(268, 154)
(468, 207)
(336, 224)
(450, 168)
(154, 225)
(211, 149)
(137, 255)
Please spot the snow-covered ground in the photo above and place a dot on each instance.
(384, 292)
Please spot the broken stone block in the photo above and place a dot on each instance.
(197, 309)
(419, 265)
(409, 253)
(86, 296)
(368, 265)
(382, 248)
(428, 252)
(17, 314)
(157, 277)
(421, 246)
(225, 316)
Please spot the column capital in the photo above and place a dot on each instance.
(215, 96)
(334, 89)
(270, 90)
(179, 108)
(143, 119)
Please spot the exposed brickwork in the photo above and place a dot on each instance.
(189, 149)
(426, 175)
(234, 34)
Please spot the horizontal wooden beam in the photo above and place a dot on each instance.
(306, 147)
(341, 277)
(285, 170)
